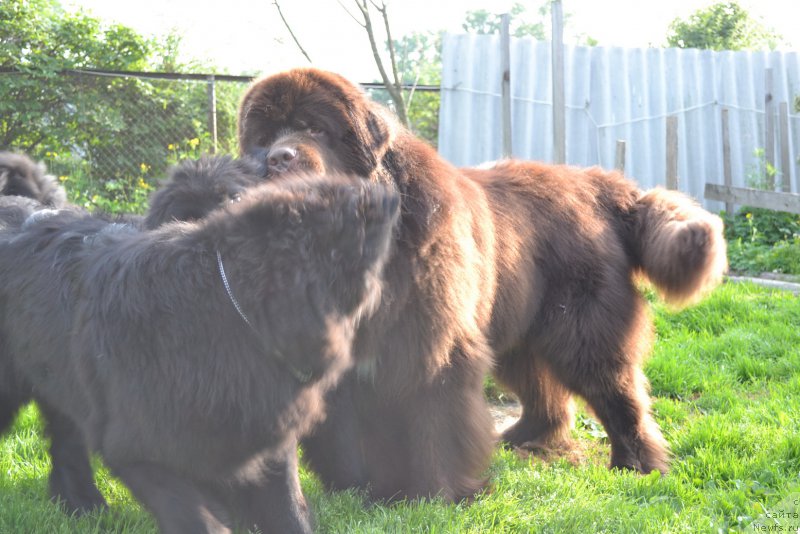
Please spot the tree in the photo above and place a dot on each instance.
(722, 26)
(110, 129)
(39, 39)
(521, 23)
(419, 62)
(394, 85)
(415, 59)
(481, 21)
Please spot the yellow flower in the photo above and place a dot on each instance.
(749, 216)
(144, 167)
(170, 147)
(194, 142)
(62, 178)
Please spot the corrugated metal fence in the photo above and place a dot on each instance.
(619, 94)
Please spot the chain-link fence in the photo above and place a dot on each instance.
(107, 135)
(111, 136)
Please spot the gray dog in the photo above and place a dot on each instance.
(198, 352)
(23, 177)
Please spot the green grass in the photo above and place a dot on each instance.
(725, 379)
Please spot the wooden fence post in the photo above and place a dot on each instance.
(559, 119)
(619, 156)
(786, 162)
(672, 152)
(505, 54)
(769, 126)
(726, 157)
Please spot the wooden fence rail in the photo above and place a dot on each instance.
(744, 196)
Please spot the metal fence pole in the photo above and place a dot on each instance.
(212, 112)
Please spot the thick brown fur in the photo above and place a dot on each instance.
(196, 407)
(413, 422)
(21, 176)
(538, 260)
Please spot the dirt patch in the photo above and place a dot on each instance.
(505, 415)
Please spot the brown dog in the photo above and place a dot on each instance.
(538, 260)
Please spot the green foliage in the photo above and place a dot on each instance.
(106, 134)
(419, 62)
(481, 21)
(126, 194)
(762, 174)
(38, 36)
(725, 378)
(423, 115)
(495, 393)
(419, 58)
(783, 257)
(39, 111)
(761, 240)
(762, 226)
(722, 26)
(521, 23)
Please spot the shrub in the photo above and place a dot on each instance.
(763, 240)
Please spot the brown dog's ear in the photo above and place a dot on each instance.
(375, 134)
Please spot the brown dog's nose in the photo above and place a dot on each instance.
(281, 158)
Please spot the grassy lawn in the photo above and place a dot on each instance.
(726, 384)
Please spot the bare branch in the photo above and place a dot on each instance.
(285, 23)
(394, 88)
(389, 42)
(362, 5)
(413, 89)
(351, 15)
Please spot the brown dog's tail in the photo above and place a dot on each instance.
(681, 246)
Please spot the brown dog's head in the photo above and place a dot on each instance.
(311, 120)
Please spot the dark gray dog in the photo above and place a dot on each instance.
(197, 187)
(199, 351)
(71, 479)
(21, 176)
(194, 189)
